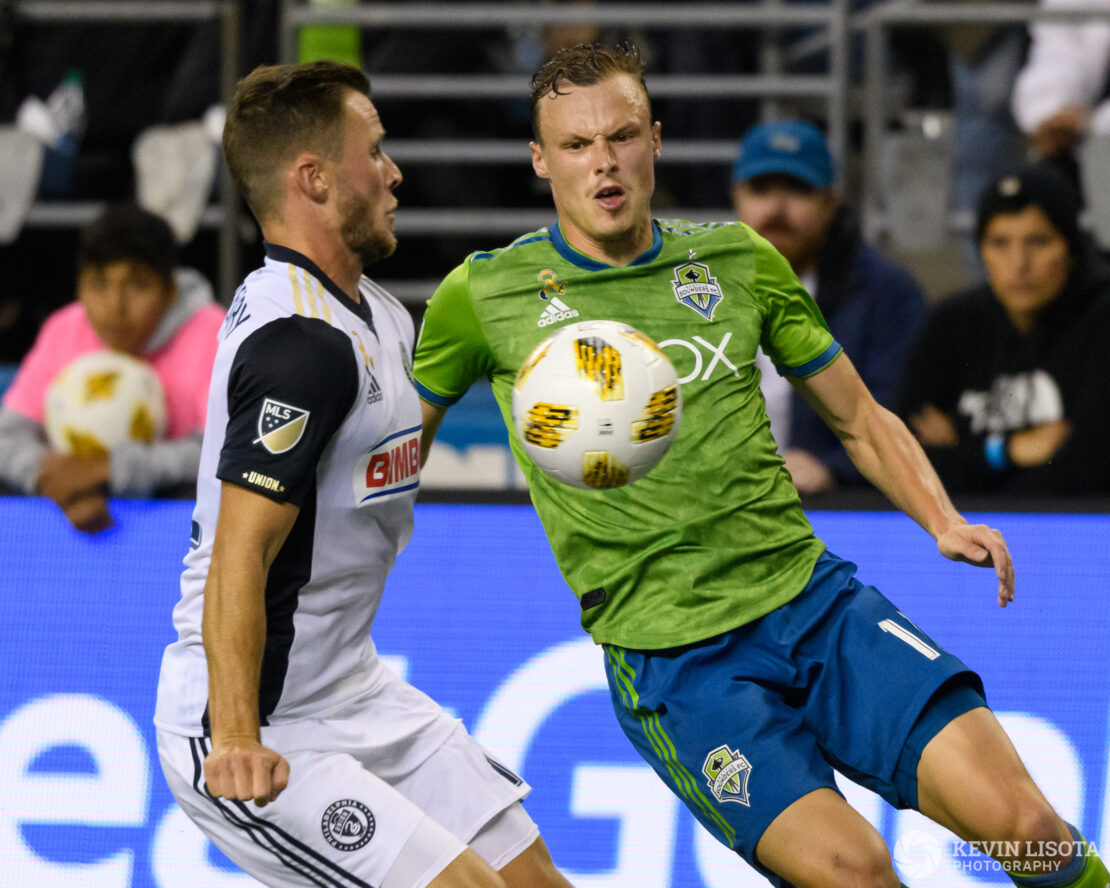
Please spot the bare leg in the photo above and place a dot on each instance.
(821, 841)
(468, 870)
(971, 780)
(533, 868)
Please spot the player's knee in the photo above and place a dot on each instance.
(861, 863)
(866, 865)
(1035, 829)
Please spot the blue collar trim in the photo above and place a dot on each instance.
(583, 261)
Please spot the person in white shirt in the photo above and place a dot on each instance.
(1061, 92)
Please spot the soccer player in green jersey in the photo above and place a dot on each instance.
(744, 660)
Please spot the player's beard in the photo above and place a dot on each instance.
(358, 231)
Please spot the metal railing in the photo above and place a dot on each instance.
(224, 215)
(770, 87)
(877, 22)
(833, 17)
(831, 24)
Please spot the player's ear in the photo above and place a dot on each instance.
(309, 176)
(538, 163)
(657, 143)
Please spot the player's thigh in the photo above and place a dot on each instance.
(335, 823)
(735, 751)
(468, 870)
(877, 673)
(820, 841)
(972, 781)
(533, 868)
(475, 797)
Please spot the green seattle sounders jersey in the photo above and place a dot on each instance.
(714, 536)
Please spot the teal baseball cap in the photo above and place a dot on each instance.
(792, 147)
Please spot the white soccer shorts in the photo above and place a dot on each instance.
(363, 807)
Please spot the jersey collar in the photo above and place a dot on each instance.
(286, 254)
(583, 261)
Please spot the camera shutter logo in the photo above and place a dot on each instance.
(727, 773)
(347, 825)
(280, 426)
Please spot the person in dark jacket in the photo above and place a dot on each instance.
(1005, 385)
(783, 188)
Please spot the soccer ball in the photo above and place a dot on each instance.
(102, 399)
(597, 404)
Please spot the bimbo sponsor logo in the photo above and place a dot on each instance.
(390, 467)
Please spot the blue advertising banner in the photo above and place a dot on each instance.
(477, 615)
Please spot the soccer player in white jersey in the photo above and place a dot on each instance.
(280, 732)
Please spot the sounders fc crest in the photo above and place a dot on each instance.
(280, 426)
(727, 774)
(696, 288)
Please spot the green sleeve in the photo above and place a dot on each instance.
(795, 335)
(452, 351)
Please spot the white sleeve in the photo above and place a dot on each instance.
(1067, 64)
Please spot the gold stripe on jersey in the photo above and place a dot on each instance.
(298, 304)
(313, 292)
(310, 297)
(323, 299)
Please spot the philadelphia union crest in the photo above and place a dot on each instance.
(727, 772)
(696, 288)
(348, 825)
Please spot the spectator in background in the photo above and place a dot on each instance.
(1005, 386)
(983, 60)
(782, 186)
(1061, 91)
(132, 298)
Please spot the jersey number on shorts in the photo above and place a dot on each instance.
(909, 638)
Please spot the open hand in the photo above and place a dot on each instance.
(984, 547)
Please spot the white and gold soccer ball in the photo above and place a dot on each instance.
(597, 404)
(101, 399)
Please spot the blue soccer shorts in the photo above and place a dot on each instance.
(742, 725)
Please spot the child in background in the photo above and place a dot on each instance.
(132, 298)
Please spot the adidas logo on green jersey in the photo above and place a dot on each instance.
(556, 310)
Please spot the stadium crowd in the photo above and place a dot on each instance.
(1001, 85)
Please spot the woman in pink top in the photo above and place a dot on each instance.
(131, 298)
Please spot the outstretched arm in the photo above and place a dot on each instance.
(888, 455)
(249, 535)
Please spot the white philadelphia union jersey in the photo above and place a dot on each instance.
(312, 402)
